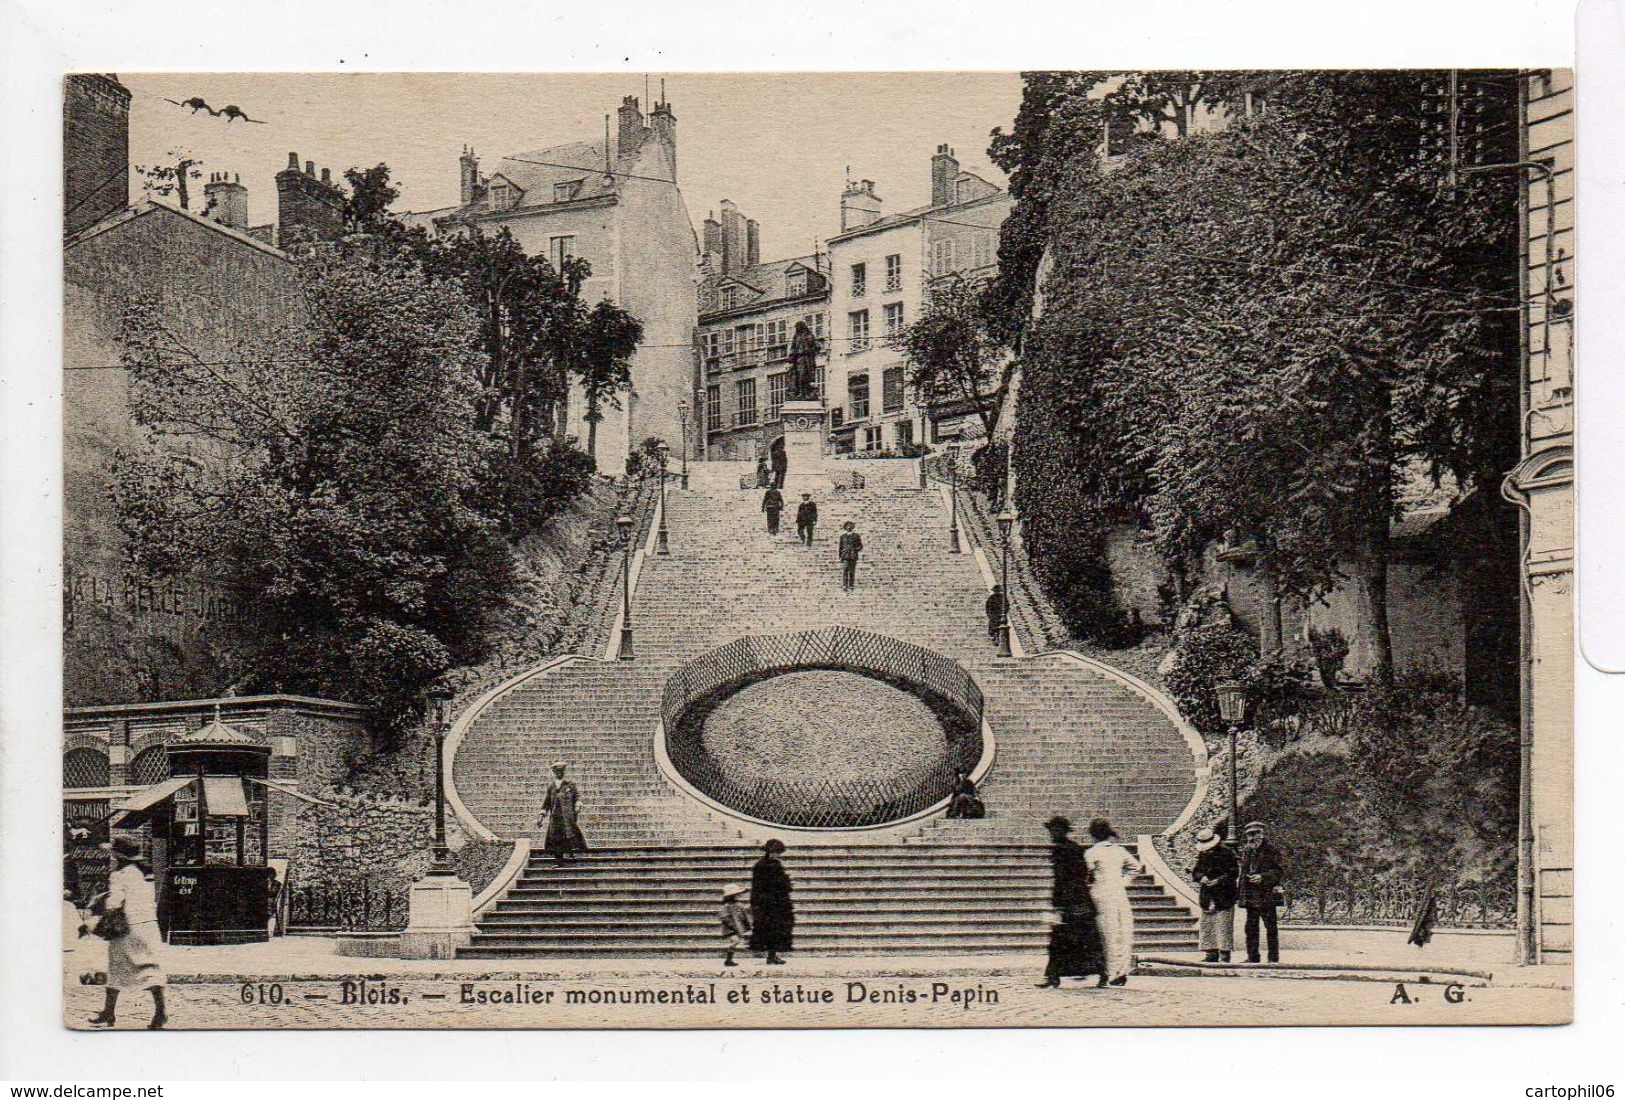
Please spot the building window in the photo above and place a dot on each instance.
(777, 386)
(871, 438)
(894, 273)
(857, 331)
(745, 342)
(711, 347)
(745, 395)
(795, 284)
(860, 280)
(713, 408)
(857, 397)
(891, 390)
(502, 196)
(905, 432)
(564, 192)
(815, 322)
(942, 257)
(559, 250)
(84, 768)
(778, 339)
(982, 251)
(894, 320)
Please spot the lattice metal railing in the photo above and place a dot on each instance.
(832, 801)
(1472, 905)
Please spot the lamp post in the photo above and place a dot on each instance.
(954, 546)
(624, 525)
(1007, 520)
(438, 697)
(1233, 711)
(660, 536)
(682, 416)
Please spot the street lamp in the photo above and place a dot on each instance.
(682, 416)
(660, 537)
(1233, 711)
(954, 546)
(1007, 520)
(624, 525)
(439, 696)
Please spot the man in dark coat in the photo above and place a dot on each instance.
(995, 611)
(1260, 890)
(1075, 947)
(563, 838)
(1215, 872)
(806, 518)
(851, 546)
(772, 916)
(780, 460)
(965, 802)
(772, 505)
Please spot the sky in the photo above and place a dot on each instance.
(778, 145)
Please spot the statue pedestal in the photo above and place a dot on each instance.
(804, 424)
(440, 920)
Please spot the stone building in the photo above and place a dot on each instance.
(748, 315)
(615, 203)
(882, 268)
(1543, 487)
(223, 292)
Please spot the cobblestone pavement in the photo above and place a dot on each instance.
(756, 997)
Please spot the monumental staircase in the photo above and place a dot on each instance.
(1067, 735)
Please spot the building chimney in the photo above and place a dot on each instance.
(308, 209)
(664, 125)
(860, 205)
(753, 243)
(95, 149)
(713, 235)
(469, 172)
(944, 170)
(630, 135)
(226, 200)
(733, 237)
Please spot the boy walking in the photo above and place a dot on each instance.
(735, 923)
(806, 519)
(772, 505)
(851, 546)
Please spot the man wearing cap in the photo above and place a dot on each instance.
(735, 922)
(806, 519)
(1215, 873)
(563, 838)
(1260, 890)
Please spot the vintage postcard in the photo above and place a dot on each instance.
(817, 550)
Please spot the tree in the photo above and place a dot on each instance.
(1264, 332)
(172, 177)
(366, 207)
(608, 338)
(949, 352)
(335, 485)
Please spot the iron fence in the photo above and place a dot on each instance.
(361, 906)
(1472, 905)
(832, 801)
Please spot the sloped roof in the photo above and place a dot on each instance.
(580, 160)
(905, 216)
(769, 282)
(148, 207)
(217, 734)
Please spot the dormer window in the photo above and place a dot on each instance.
(502, 196)
(795, 284)
(727, 297)
(564, 192)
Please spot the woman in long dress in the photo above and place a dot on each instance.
(1111, 867)
(772, 915)
(563, 839)
(132, 957)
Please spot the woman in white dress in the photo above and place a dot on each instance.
(1111, 866)
(132, 955)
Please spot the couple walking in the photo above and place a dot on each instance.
(1096, 932)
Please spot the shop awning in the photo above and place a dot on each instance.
(151, 796)
(224, 796)
(279, 788)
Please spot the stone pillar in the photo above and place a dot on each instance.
(804, 424)
(441, 918)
